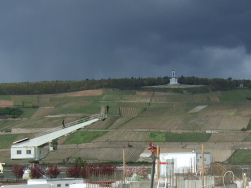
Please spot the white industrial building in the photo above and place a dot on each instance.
(180, 163)
(34, 150)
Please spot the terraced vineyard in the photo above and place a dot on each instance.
(123, 136)
(8, 139)
(136, 116)
(178, 137)
(241, 156)
(130, 111)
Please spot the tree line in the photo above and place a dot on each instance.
(54, 87)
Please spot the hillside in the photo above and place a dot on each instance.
(175, 121)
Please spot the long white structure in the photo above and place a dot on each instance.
(33, 149)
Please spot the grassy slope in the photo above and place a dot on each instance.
(240, 156)
(171, 109)
(83, 137)
(5, 97)
(8, 139)
(236, 96)
(175, 137)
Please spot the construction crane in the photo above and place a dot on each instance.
(34, 149)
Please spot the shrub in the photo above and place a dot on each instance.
(107, 169)
(243, 129)
(88, 170)
(97, 170)
(73, 171)
(18, 171)
(79, 161)
(53, 171)
(36, 171)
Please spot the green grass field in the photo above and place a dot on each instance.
(241, 156)
(28, 112)
(175, 137)
(5, 97)
(235, 96)
(83, 137)
(8, 139)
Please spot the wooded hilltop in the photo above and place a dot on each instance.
(54, 87)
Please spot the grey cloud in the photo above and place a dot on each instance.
(73, 40)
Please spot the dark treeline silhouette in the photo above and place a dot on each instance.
(216, 84)
(54, 87)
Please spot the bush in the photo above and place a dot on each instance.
(96, 170)
(243, 129)
(79, 161)
(88, 170)
(73, 171)
(18, 171)
(36, 171)
(53, 171)
(107, 169)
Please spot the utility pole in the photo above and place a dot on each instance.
(154, 157)
(158, 162)
(124, 167)
(203, 166)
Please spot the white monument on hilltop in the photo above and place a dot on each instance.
(173, 80)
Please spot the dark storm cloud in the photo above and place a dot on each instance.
(74, 40)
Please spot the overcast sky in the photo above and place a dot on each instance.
(45, 40)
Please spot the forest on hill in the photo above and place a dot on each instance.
(54, 87)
